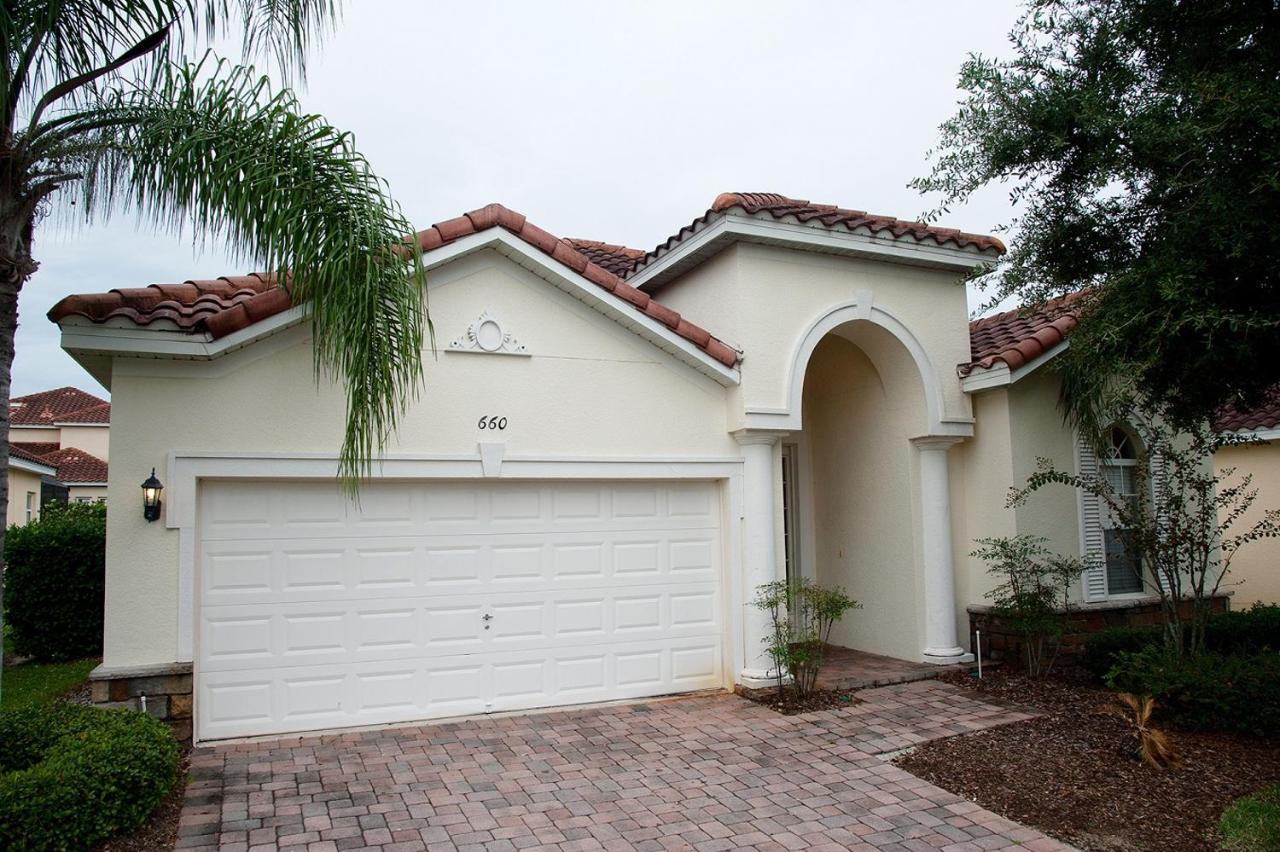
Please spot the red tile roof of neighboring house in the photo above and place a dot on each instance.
(222, 308)
(75, 465)
(54, 406)
(619, 260)
(830, 216)
(1264, 416)
(38, 448)
(94, 414)
(1017, 337)
(18, 451)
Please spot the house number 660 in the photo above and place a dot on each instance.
(493, 422)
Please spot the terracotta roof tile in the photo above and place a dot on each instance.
(619, 260)
(18, 451)
(75, 465)
(1264, 416)
(93, 414)
(225, 305)
(52, 406)
(38, 448)
(189, 305)
(1017, 337)
(777, 207)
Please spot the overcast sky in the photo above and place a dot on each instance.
(618, 121)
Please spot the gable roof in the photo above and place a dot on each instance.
(772, 207)
(1015, 338)
(225, 305)
(60, 405)
(76, 466)
(619, 260)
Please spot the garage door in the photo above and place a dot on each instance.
(441, 599)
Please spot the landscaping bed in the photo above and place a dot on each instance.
(789, 704)
(1071, 772)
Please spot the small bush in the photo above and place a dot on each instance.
(72, 776)
(802, 615)
(1247, 631)
(1207, 692)
(54, 576)
(1101, 649)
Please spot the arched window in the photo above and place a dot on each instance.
(1120, 459)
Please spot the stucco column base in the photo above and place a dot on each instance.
(757, 679)
(946, 656)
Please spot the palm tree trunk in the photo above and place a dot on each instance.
(16, 266)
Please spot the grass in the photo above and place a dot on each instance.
(1252, 822)
(39, 683)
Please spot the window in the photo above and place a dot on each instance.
(31, 505)
(1120, 469)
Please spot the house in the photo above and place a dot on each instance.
(1255, 570)
(612, 450)
(29, 479)
(68, 431)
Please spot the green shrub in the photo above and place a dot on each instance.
(72, 776)
(1207, 692)
(1247, 631)
(1101, 649)
(54, 574)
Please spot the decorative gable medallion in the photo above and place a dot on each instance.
(487, 335)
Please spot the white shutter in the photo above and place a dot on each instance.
(1095, 577)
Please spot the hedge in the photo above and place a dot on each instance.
(54, 577)
(72, 776)
(1208, 692)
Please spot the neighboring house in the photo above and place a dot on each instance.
(69, 431)
(28, 477)
(612, 449)
(1255, 570)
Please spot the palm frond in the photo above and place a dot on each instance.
(1155, 749)
(215, 146)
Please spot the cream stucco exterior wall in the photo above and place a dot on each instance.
(588, 389)
(1255, 569)
(763, 298)
(860, 495)
(76, 493)
(94, 440)
(21, 484)
(34, 434)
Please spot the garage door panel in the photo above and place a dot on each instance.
(442, 599)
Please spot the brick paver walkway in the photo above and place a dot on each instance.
(707, 772)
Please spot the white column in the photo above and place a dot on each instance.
(759, 551)
(940, 632)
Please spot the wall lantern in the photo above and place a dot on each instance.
(151, 497)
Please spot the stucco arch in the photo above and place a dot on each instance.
(936, 421)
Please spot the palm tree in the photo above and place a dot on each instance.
(100, 108)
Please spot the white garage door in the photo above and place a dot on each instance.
(440, 599)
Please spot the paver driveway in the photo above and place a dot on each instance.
(706, 772)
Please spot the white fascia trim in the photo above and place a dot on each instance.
(84, 484)
(81, 338)
(815, 238)
(999, 375)
(1272, 434)
(13, 426)
(32, 467)
(593, 296)
(81, 425)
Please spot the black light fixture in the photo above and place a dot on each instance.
(151, 497)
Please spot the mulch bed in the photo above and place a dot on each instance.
(1072, 772)
(160, 832)
(789, 705)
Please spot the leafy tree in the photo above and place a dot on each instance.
(1140, 139)
(1033, 595)
(99, 106)
(1182, 526)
